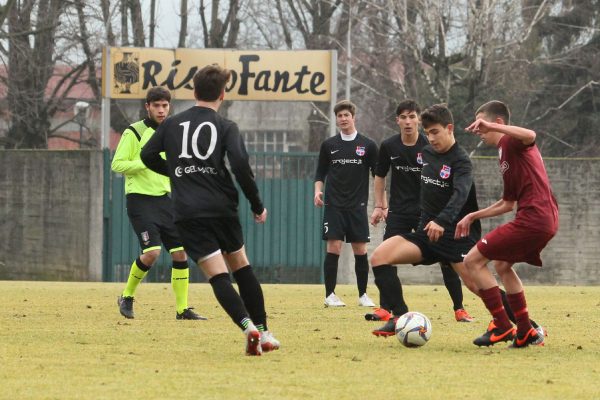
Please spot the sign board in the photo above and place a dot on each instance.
(300, 75)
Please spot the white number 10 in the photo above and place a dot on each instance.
(184, 144)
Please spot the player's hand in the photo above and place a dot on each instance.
(479, 126)
(261, 218)
(378, 215)
(463, 227)
(434, 231)
(319, 199)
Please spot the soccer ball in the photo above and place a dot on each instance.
(413, 329)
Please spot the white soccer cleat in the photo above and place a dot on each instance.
(365, 301)
(333, 301)
(268, 342)
(253, 347)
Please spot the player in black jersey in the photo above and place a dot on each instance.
(205, 199)
(447, 194)
(403, 154)
(344, 164)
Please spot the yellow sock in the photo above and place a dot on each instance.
(135, 277)
(180, 281)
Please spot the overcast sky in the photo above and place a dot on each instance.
(167, 22)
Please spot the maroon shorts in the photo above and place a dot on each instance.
(514, 242)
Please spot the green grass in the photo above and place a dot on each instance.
(68, 341)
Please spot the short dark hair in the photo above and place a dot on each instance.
(210, 81)
(157, 93)
(495, 109)
(345, 105)
(408, 105)
(436, 114)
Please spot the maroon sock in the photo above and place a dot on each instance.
(519, 306)
(493, 302)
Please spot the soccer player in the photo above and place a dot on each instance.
(343, 167)
(447, 194)
(196, 142)
(149, 208)
(526, 185)
(403, 153)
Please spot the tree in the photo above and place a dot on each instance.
(32, 28)
(315, 23)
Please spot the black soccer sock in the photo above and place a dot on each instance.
(509, 311)
(506, 305)
(384, 302)
(229, 299)
(453, 285)
(330, 267)
(361, 268)
(388, 283)
(252, 295)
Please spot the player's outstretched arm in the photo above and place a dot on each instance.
(498, 208)
(524, 135)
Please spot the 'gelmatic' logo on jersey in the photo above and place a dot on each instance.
(344, 161)
(192, 169)
(436, 182)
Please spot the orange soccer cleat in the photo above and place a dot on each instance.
(379, 314)
(462, 315)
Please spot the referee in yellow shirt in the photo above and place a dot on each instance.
(149, 208)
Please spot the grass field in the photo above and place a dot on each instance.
(68, 341)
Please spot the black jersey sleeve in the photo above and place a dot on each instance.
(322, 164)
(372, 157)
(383, 161)
(462, 181)
(150, 154)
(240, 166)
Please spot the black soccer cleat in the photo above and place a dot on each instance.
(189, 314)
(388, 329)
(495, 335)
(532, 337)
(126, 306)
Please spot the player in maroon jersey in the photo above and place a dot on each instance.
(526, 184)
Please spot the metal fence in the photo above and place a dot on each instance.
(287, 249)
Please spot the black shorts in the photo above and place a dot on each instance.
(397, 224)
(152, 220)
(204, 237)
(446, 249)
(351, 225)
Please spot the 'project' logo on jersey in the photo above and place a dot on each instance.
(445, 172)
(420, 158)
(360, 151)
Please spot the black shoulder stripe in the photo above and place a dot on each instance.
(137, 135)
